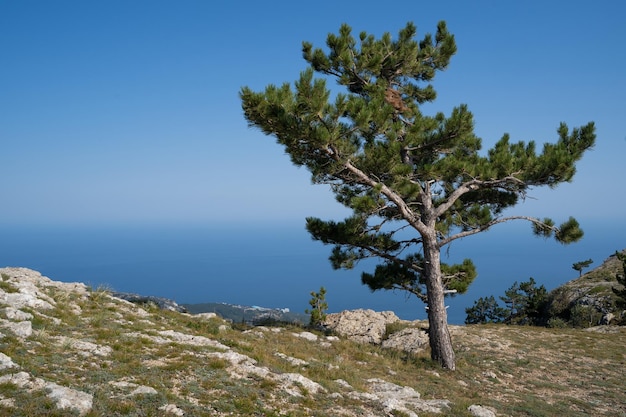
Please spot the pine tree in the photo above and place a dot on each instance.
(579, 266)
(525, 303)
(485, 310)
(318, 308)
(414, 182)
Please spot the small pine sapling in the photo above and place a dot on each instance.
(318, 308)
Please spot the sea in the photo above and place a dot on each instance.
(279, 265)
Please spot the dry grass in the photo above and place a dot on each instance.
(543, 372)
(519, 371)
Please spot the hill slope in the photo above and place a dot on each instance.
(589, 299)
(67, 350)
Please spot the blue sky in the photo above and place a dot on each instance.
(128, 112)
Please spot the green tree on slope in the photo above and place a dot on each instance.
(525, 303)
(414, 182)
(579, 266)
(485, 310)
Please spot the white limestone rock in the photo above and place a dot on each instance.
(480, 411)
(6, 362)
(172, 409)
(15, 315)
(306, 336)
(363, 326)
(22, 329)
(67, 398)
(412, 340)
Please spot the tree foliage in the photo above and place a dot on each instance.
(414, 182)
(525, 304)
(485, 310)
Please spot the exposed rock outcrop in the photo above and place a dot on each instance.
(27, 289)
(27, 297)
(480, 411)
(591, 294)
(368, 326)
(411, 339)
(363, 326)
(86, 352)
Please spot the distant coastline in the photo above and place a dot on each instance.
(248, 314)
(279, 267)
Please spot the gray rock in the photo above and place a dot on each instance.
(244, 366)
(67, 398)
(21, 300)
(404, 399)
(144, 390)
(292, 361)
(22, 329)
(307, 336)
(15, 314)
(64, 398)
(294, 384)
(190, 339)
(363, 326)
(31, 289)
(83, 347)
(172, 409)
(205, 316)
(480, 411)
(607, 319)
(410, 340)
(603, 329)
(6, 362)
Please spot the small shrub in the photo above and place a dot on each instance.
(98, 297)
(598, 290)
(210, 326)
(245, 405)
(391, 328)
(583, 316)
(557, 323)
(7, 286)
(268, 384)
(217, 363)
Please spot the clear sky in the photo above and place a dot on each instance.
(128, 111)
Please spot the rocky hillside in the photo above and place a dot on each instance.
(589, 300)
(67, 350)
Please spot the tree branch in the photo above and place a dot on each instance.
(475, 185)
(488, 225)
(404, 209)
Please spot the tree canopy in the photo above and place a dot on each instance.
(414, 182)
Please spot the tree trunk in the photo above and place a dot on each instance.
(438, 334)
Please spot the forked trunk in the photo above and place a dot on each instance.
(438, 334)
